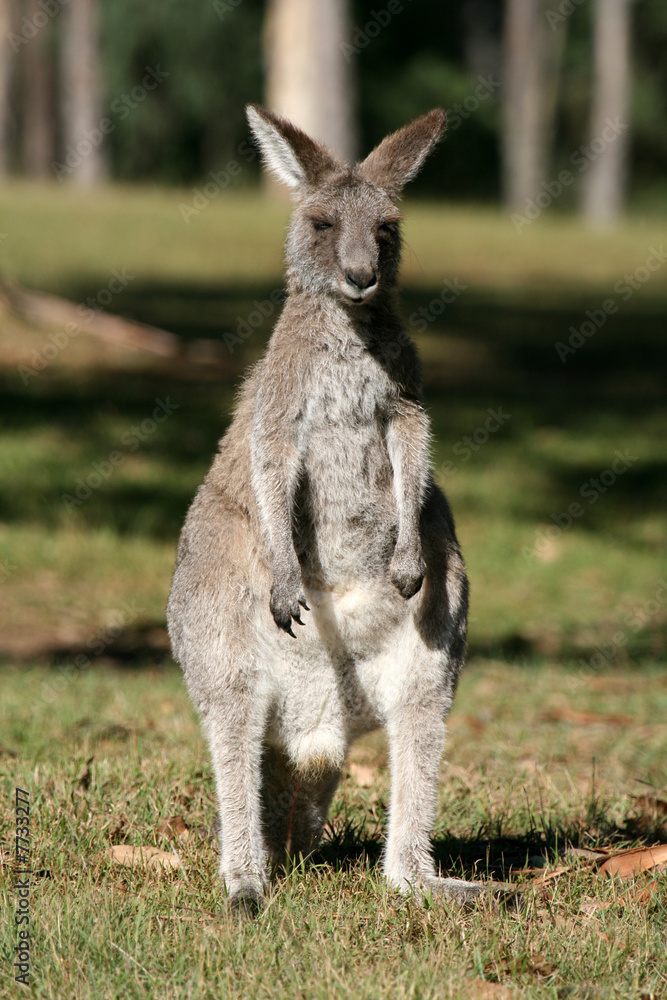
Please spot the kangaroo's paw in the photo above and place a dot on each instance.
(287, 599)
(407, 571)
(246, 896)
(456, 889)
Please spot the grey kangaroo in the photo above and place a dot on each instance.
(319, 589)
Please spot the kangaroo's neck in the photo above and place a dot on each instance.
(369, 322)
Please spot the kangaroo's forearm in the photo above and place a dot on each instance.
(408, 446)
(274, 478)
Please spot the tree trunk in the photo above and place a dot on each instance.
(531, 64)
(604, 184)
(37, 88)
(481, 39)
(82, 86)
(6, 64)
(308, 73)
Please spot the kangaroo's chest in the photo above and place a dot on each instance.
(346, 391)
(346, 516)
(344, 428)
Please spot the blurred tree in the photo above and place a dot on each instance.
(6, 60)
(81, 77)
(399, 58)
(37, 87)
(532, 51)
(604, 183)
(308, 69)
(210, 65)
(481, 42)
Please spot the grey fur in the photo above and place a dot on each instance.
(321, 497)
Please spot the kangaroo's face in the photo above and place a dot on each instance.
(344, 240)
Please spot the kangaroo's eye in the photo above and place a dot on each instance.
(320, 224)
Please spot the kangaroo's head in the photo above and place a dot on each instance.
(344, 237)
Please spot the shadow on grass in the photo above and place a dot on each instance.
(616, 378)
(146, 644)
(491, 852)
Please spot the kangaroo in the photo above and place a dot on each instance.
(319, 589)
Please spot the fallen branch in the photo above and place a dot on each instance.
(44, 309)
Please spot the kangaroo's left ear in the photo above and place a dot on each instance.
(400, 156)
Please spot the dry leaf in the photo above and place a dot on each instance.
(625, 864)
(566, 714)
(574, 853)
(589, 907)
(141, 857)
(363, 774)
(175, 826)
(549, 875)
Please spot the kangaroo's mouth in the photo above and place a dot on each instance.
(357, 295)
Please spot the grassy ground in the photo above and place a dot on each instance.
(560, 716)
(116, 753)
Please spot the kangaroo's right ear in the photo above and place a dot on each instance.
(295, 158)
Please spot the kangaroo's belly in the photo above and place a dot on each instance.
(346, 519)
(334, 681)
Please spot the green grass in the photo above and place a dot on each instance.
(563, 620)
(516, 790)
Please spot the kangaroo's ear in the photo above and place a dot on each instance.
(295, 158)
(400, 156)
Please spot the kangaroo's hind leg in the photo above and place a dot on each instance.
(216, 622)
(427, 664)
(234, 726)
(294, 805)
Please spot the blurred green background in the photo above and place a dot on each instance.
(541, 329)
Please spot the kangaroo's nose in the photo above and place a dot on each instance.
(361, 277)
